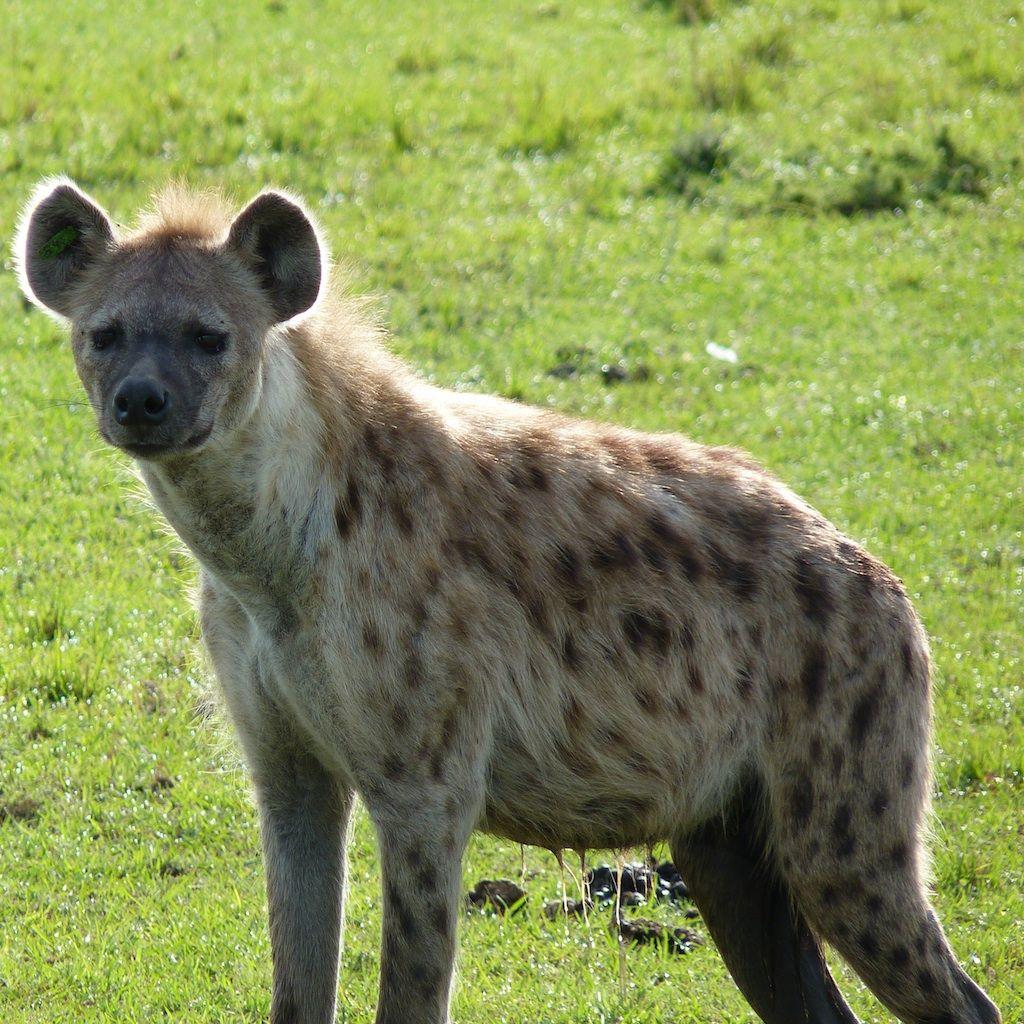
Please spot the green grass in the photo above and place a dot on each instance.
(526, 185)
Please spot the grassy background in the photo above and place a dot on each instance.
(548, 197)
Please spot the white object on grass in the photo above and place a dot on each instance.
(723, 352)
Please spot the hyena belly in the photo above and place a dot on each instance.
(623, 728)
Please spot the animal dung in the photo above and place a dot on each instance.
(643, 932)
(499, 896)
(639, 883)
(554, 909)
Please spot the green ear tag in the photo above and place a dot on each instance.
(60, 241)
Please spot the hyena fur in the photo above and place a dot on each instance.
(479, 615)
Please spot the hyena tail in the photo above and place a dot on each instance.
(827, 844)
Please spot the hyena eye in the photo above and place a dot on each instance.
(212, 341)
(104, 337)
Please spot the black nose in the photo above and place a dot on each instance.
(139, 402)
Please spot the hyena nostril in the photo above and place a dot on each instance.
(140, 402)
(153, 404)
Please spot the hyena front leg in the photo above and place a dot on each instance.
(304, 812)
(423, 831)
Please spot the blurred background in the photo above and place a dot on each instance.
(789, 226)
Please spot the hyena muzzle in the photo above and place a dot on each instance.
(477, 615)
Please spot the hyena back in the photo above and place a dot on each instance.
(477, 615)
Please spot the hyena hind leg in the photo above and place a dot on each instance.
(846, 816)
(750, 913)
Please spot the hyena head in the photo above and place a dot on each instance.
(168, 322)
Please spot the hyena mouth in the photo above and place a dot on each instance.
(151, 449)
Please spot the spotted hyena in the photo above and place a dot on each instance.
(478, 615)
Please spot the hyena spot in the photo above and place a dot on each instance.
(426, 978)
(643, 628)
(413, 672)
(648, 701)
(686, 636)
(863, 716)
(841, 820)
(742, 578)
(473, 553)
(406, 921)
(845, 842)
(846, 847)
(813, 591)
(570, 653)
(752, 523)
(573, 714)
(344, 518)
(418, 612)
(688, 560)
(399, 718)
(567, 567)
(900, 956)
(458, 623)
(801, 804)
(378, 450)
(441, 921)
(398, 507)
(879, 802)
(371, 638)
(662, 458)
(529, 474)
(653, 553)
(616, 552)
(868, 943)
(900, 855)
(745, 683)
(875, 905)
(813, 676)
(926, 980)
(696, 679)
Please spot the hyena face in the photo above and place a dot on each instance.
(167, 328)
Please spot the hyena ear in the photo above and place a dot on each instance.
(61, 232)
(276, 239)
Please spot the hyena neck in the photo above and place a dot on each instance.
(258, 509)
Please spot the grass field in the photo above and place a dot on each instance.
(564, 203)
